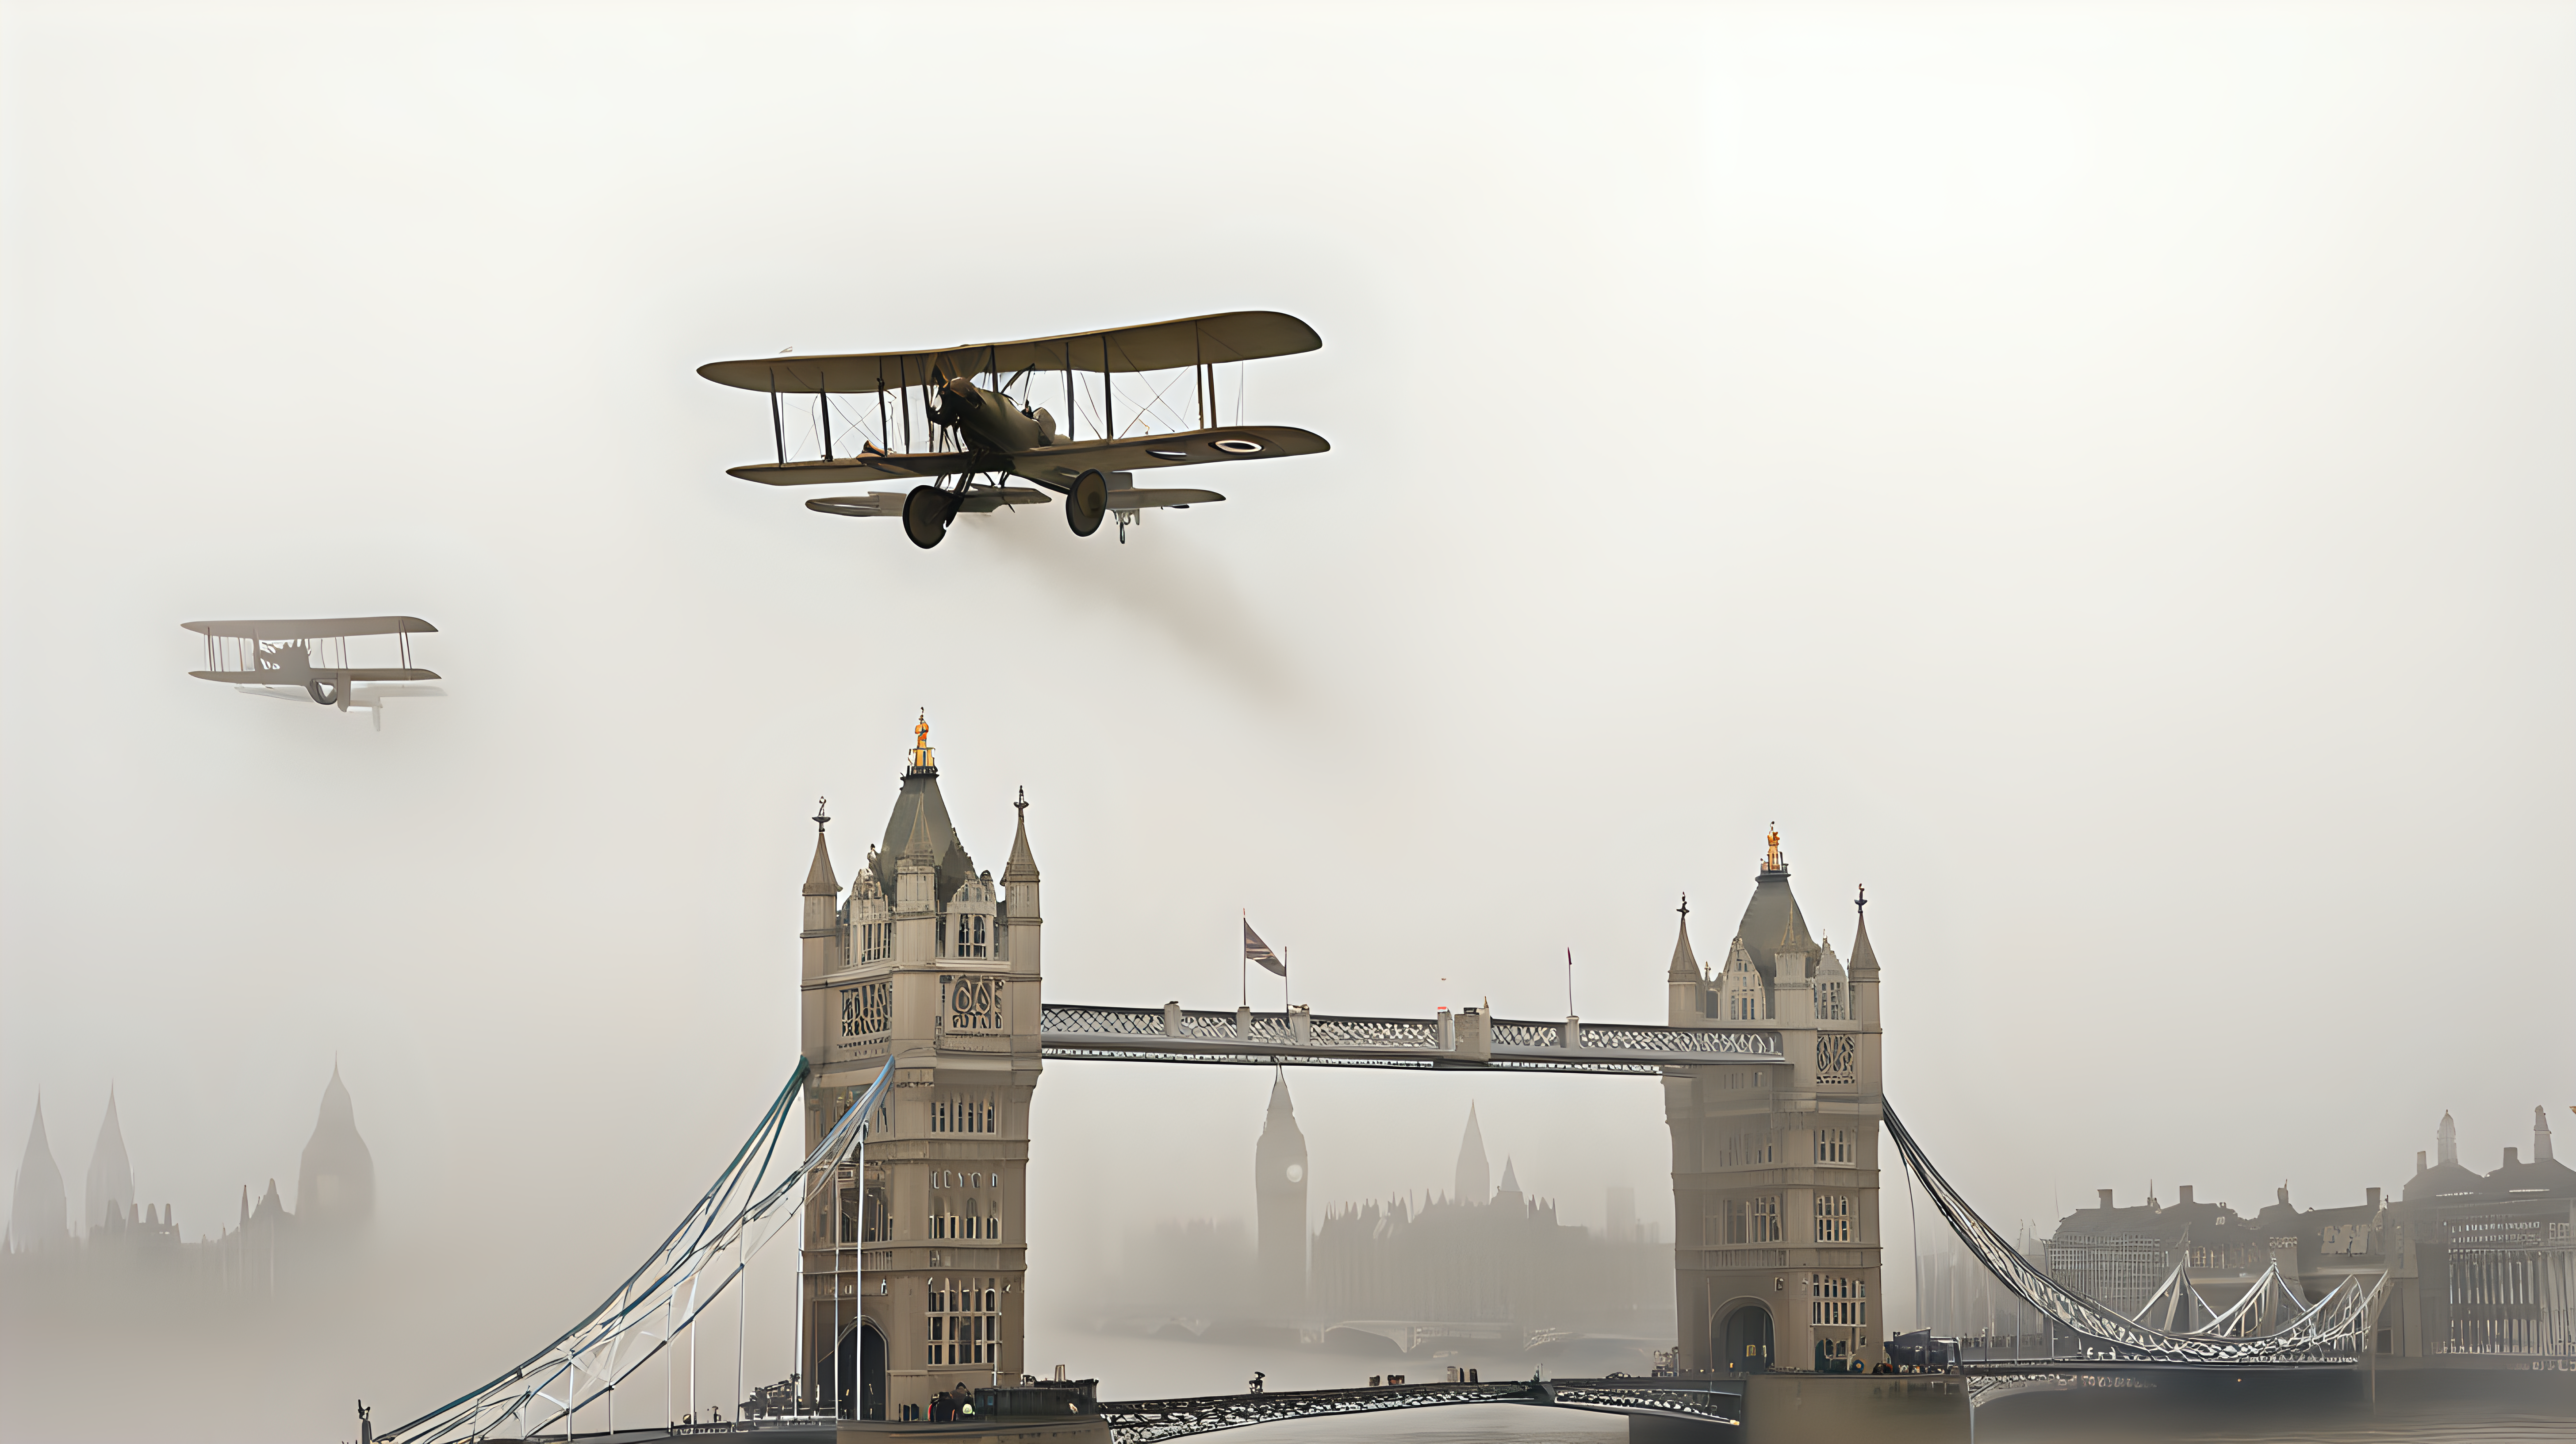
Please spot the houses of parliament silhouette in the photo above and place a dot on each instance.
(119, 1244)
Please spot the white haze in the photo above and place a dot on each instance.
(2099, 475)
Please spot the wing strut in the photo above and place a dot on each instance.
(777, 421)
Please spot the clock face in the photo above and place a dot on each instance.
(1296, 1173)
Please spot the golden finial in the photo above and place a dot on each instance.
(921, 740)
(1771, 861)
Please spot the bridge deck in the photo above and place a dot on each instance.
(1145, 1421)
(1468, 1040)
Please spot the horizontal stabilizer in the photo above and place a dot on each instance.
(1158, 346)
(311, 628)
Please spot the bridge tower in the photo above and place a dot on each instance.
(915, 1267)
(1775, 1169)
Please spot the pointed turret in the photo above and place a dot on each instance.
(1021, 912)
(1685, 968)
(336, 1186)
(1475, 1174)
(1511, 1179)
(2446, 1140)
(825, 946)
(1864, 958)
(110, 1190)
(36, 1201)
(2541, 1149)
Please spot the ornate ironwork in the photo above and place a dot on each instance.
(1069, 1030)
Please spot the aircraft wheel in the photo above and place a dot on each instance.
(1087, 503)
(927, 511)
(313, 688)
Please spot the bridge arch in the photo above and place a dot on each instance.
(1742, 1335)
(859, 1372)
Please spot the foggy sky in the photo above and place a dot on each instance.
(2097, 475)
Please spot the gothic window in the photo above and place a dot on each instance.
(1752, 1220)
(1838, 1300)
(1833, 1145)
(1833, 1218)
(974, 1003)
(964, 1324)
(963, 1111)
(867, 1011)
(1837, 1057)
(1829, 1000)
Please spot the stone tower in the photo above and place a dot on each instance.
(335, 1188)
(915, 1264)
(1775, 1168)
(1279, 1199)
(37, 1216)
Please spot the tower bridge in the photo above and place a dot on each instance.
(925, 1032)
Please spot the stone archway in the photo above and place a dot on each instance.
(1742, 1338)
(859, 1373)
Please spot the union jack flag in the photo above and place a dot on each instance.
(1257, 951)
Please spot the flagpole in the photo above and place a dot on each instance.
(1569, 982)
(1245, 967)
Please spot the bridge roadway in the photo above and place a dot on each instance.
(1147, 1421)
(1467, 1039)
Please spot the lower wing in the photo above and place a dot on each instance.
(327, 674)
(1053, 466)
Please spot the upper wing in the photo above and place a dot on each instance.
(311, 628)
(1159, 346)
(1061, 464)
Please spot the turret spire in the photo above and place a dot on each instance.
(1685, 968)
(819, 881)
(1864, 958)
(1023, 866)
(2446, 1140)
(2541, 1151)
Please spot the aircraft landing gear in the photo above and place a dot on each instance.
(927, 511)
(1086, 503)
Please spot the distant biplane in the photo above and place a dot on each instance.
(269, 658)
(993, 429)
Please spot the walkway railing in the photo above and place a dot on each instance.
(1298, 1037)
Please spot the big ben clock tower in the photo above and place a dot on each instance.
(1279, 1192)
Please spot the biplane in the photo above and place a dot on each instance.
(312, 654)
(962, 424)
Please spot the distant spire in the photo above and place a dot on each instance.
(819, 881)
(1685, 967)
(2446, 1140)
(36, 1203)
(2541, 1151)
(111, 1177)
(1511, 1180)
(1475, 1178)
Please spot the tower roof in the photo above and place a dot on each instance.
(919, 809)
(1772, 921)
(1511, 1180)
(1685, 967)
(111, 1176)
